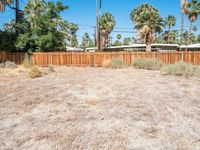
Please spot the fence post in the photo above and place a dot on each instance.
(94, 59)
(182, 56)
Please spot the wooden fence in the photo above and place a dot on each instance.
(16, 57)
(97, 59)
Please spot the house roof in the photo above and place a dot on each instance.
(74, 49)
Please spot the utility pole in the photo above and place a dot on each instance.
(17, 14)
(100, 37)
(95, 36)
(97, 26)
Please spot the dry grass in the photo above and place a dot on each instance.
(181, 69)
(27, 64)
(117, 63)
(34, 72)
(149, 64)
(16, 72)
(26, 69)
(98, 108)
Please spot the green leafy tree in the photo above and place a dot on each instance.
(193, 38)
(170, 37)
(107, 24)
(7, 41)
(147, 21)
(42, 29)
(73, 28)
(193, 10)
(8, 37)
(170, 21)
(183, 13)
(86, 41)
(33, 10)
(198, 38)
(127, 41)
(118, 42)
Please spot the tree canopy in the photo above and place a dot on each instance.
(147, 21)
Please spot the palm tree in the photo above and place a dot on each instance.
(3, 3)
(193, 10)
(147, 21)
(172, 35)
(183, 12)
(170, 21)
(106, 24)
(33, 9)
(119, 36)
(73, 28)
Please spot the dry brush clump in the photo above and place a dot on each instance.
(150, 64)
(50, 69)
(181, 69)
(34, 72)
(117, 63)
(8, 65)
(27, 63)
(114, 63)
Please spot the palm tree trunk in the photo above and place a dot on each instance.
(190, 32)
(169, 34)
(148, 47)
(148, 37)
(182, 28)
(107, 40)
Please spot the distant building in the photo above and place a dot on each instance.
(154, 47)
(142, 47)
(192, 47)
(91, 49)
(73, 49)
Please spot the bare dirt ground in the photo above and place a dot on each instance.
(98, 108)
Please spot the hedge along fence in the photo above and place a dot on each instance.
(79, 59)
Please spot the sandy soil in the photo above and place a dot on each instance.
(97, 108)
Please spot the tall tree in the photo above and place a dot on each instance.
(183, 12)
(170, 37)
(147, 21)
(127, 41)
(86, 41)
(4, 3)
(44, 29)
(119, 36)
(73, 28)
(107, 24)
(118, 42)
(193, 10)
(198, 38)
(193, 38)
(170, 21)
(33, 10)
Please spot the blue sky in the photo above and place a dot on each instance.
(82, 12)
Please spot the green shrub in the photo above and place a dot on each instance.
(150, 64)
(117, 63)
(181, 69)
